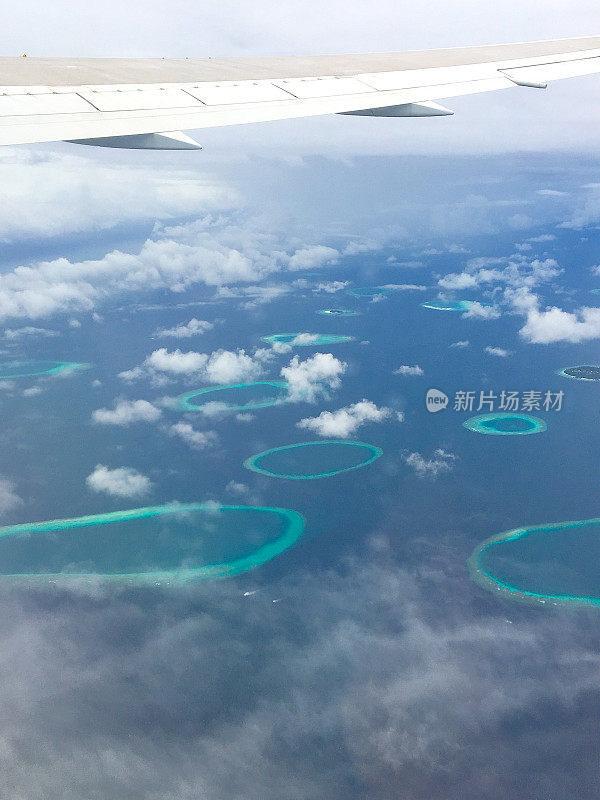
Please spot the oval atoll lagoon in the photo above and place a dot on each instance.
(235, 396)
(441, 305)
(582, 373)
(548, 564)
(35, 369)
(170, 543)
(369, 292)
(306, 339)
(310, 460)
(338, 312)
(505, 424)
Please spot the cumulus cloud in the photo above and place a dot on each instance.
(221, 366)
(331, 287)
(305, 338)
(555, 325)
(461, 344)
(313, 378)
(119, 482)
(514, 271)
(441, 461)
(500, 352)
(197, 440)
(479, 311)
(345, 421)
(216, 253)
(312, 257)
(405, 369)
(195, 327)
(127, 412)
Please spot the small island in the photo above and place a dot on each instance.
(552, 564)
(505, 424)
(581, 373)
(338, 312)
(235, 396)
(306, 339)
(311, 460)
(172, 544)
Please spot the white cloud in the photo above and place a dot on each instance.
(119, 482)
(313, 257)
(556, 325)
(331, 287)
(305, 338)
(345, 421)
(195, 327)
(221, 366)
(461, 344)
(313, 378)
(127, 412)
(479, 311)
(500, 352)
(198, 440)
(442, 461)
(516, 271)
(36, 182)
(404, 287)
(20, 333)
(176, 362)
(9, 499)
(234, 487)
(405, 369)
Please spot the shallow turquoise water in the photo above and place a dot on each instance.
(236, 396)
(309, 460)
(505, 424)
(30, 369)
(559, 562)
(184, 542)
(315, 340)
(369, 291)
(581, 373)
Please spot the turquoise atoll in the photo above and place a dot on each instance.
(440, 305)
(174, 543)
(368, 292)
(35, 369)
(552, 564)
(338, 312)
(582, 373)
(236, 396)
(310, 460)
(306, 339)
(505, 424)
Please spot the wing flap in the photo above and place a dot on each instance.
(139, 99)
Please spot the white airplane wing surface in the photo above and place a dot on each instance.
(145, 103)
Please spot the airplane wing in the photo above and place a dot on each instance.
(145, 103)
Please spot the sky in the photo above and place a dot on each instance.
(364, 662)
